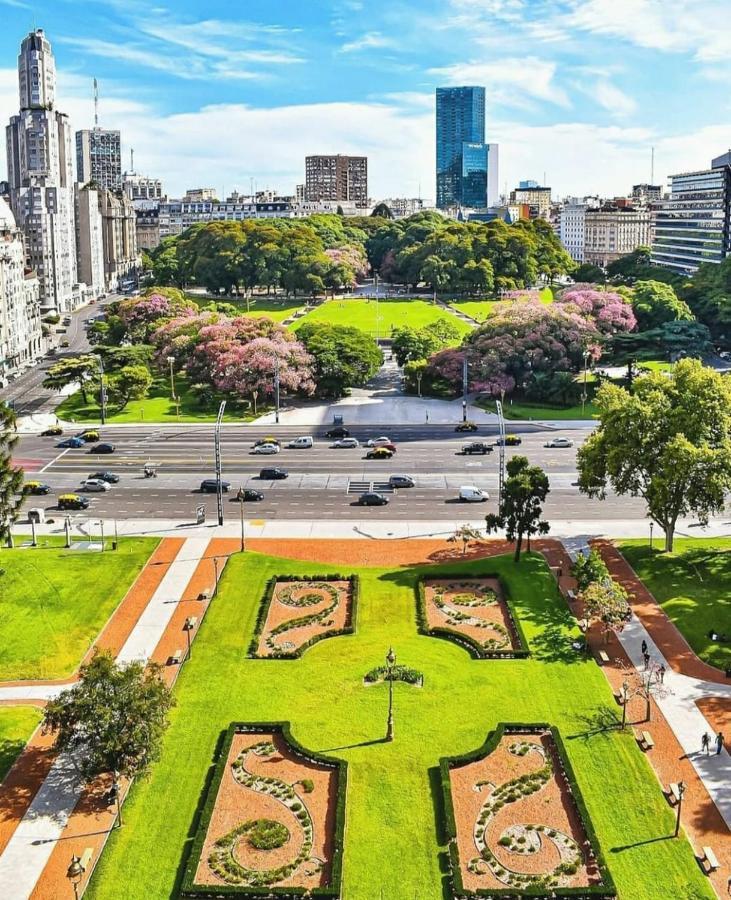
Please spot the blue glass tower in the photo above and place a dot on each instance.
(461, 149)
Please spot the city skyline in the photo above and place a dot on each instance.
(578, 90)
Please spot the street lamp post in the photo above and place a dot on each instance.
(102, 391)
(390, 660)
(217, 448)
(681, 791)
(377, 308)
(75, 873)
(276, 388)
(171, 363)
(583, 393)
(188, 627)
(501, 464)
(115, 788)
(215, 575)
(625, 695)
(240, 498)
(652, 525)
(255, 395)
(464, 388)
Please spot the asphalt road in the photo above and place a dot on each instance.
(323, 482)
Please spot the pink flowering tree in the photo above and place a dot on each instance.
(242, 369)
(177, 337)
(611, 312)
(141, 316)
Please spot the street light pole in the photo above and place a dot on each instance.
(377, 323)
(390, 660)
(171, 362)
(625, 695)
(501, 465)
(102, 391)
(583, 394)
(276, 388)
(188, 628)
(215, 575)
(217, 446)
(652, 525)
(681, 791)
(243, 525)
(464, 388)
(75, 873)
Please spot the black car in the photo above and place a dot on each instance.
(245, 495)
(476, 447)
(53, 431)
(210, 486)
(401, 481)
(466, 426)
(511, 440)
(273, 474)
(73, 501)
(109, 477)
(371, 498)
(102, 448)
(337, 432)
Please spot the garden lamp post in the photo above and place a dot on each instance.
(390, 660)
(681, 791)
(583, 393)
(625, 695)
(652, 525)
(75, 873)
(188, 627)
(171, 363)
(255, 395)
(240, 498)
(115, 791)
(215, 575)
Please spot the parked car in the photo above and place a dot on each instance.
(36, 487)
(468, 493)
(401, 481)
(379, 441)
(559, 442)
(72, 442)
(371, 498)
(301, 443)
(338, 432)
(265, 449)
(273, 474)
(266, 440)
(65, 343)
(89, 437)
(95, 484)
(73, 501)
(244, 495)
(476, 447)
(210, 486)
(347, 443)
(109, 477)
(102, 448)
(379, 453)
(511, 440)
(466, 426)
(53, 431)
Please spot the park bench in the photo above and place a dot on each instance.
(176, 657)
(674, 792)
(710, 858)
(647, 741)
(603, 657)
(571, 594)
(206, 594)
(86, 858)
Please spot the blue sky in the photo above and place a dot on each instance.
(222, 93)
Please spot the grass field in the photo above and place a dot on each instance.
(278, 310)
(482, 309)
(525, 411)
(17, 723)
(392, 313)
(692, 585)
(393, 846)
(54, 602)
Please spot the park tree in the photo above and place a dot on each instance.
(656, 303)
(465, 534)
(410, 343)
(668, 441)
(11, 477)
(605, 602)
(382, 211)
(343, 356)
(589, 567)
(524, 493)
(113, 719)
(131, 382)
(72, 370)
(589, 272)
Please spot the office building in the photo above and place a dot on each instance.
(463, 157)
(533, 195)
(337, 179)
(199, 195)
(646, 193)
(99, 158)
(693, 224)
(139, 187)
(41, 177)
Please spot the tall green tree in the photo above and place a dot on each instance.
(655, 304)
(73, 370)
(669, 442)
(131, 382)
(343, 356)
(11, 477)
(524, 493)
(409, 343)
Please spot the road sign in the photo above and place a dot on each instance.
(200, 515)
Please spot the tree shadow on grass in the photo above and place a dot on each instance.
(603, 720)
(655, 840)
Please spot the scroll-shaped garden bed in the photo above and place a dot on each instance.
(273, 820)
(516, 822)
(474, 612)
(296, 612)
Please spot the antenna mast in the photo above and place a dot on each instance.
(131, 159)
(96, 104)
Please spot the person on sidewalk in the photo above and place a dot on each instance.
(706, 742)
(646, 657)
(661, 674)
(644, 646)
(719, 743)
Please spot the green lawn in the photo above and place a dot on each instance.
(525, 411)
(692, 585)
(277, 309)
(481, 309)
(54, 602)
(17, 723)
(392, 843)
(392, 313)
(156, 407)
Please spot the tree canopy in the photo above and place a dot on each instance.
(11, 477)
(656, 303)
(343, 356)
(524, 493)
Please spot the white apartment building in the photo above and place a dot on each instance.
(600, 233)
(21, 337)
(139, 187)
(90, 239)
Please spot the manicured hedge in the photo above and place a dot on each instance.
(266, 602)
(604, 890)
(190, 889)
(473, 648)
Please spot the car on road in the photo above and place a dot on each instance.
(273, 474)
(468, 493)
(266, 440)
(338, 432)
(301, 443)
(210, 486)
(401, 481)
(559, 442)
(466, 426)
(372, 498)
(245, 495)
(511, 440)
(109, 477)
(389, 445)
(95, 484)
(347, 443)
(72, 442)
(36, 487)
(265, 449)
(379, 441)
(73, 501)
(102, 448)
(379, 453)
(53, 431)
(90, 437)
(476, 447)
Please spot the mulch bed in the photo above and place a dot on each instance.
(472, 607)
(237, 803)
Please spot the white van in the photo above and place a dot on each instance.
(301, 443)
(468, 493)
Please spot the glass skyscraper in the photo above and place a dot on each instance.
(462, 154)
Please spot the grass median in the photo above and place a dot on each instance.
(17, 724)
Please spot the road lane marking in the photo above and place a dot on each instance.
(56, 459)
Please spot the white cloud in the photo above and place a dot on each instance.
(612, 98)
(369, 41)
(509, 80)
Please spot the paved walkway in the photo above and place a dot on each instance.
(31, 845)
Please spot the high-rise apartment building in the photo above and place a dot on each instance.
(89, 238)
(693, 225)
(99, 157)
(531, 194)
(139, 187)
(41, 176)
(463, 157)
(337, 178)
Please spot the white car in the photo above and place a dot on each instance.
(266, 449)
(559, 442)
(379, 441)
(346, 444)
(468, 493)
(301, 443)
(95, 484)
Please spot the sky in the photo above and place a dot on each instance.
(229, 94)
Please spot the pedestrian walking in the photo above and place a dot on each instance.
(719, 743)
(706, 742)
(661, 674)
(646, 657)
(644, 646)
(427, 417)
